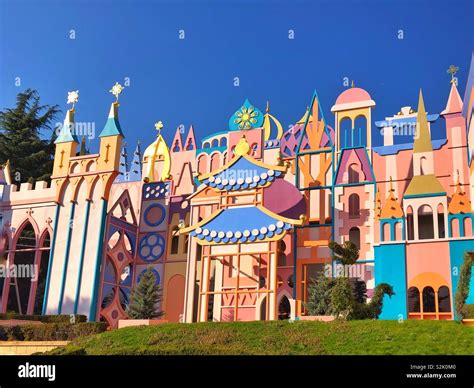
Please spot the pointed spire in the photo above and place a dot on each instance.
(135, 173)
(422, 142)
(112, 126)
(177, 144)
(454, 103)
(392, 208)
(190, 143)
(459, 204)
(123, 166)
(83, 150)
(66, 131)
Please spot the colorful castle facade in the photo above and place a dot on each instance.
(237, 226)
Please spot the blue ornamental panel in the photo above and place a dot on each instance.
(156, 190)
(151, 247)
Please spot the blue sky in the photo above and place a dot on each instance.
(191, 81)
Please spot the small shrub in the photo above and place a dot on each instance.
(44, 318)
(51, 331)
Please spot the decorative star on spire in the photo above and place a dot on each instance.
(452, 70)
(73, 97)
(116, 90)
(158, 126)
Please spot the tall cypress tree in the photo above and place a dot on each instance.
(27, 138)
(145, 298)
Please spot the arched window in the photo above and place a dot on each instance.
(354, 206)
(410, 224)
(386, 232)
(176, 147)
(215, 143)
(354, 236)
(444, 302)
(215, 161)
(425, 222)
(413, 300)
(284, 308)
(175, 241)
(360, 132)
(345, 129)
(43, 270)
(441, 227)
(190, 145)
(429, 305)
(223, 142)
(423, 166)
(24, 256)
(354, 173)
(201, 164)
(467, 226)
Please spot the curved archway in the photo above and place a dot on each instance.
(24, 255)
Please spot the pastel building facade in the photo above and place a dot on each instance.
(237, 226)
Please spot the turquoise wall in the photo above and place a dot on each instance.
(457, 249)
(390, 267)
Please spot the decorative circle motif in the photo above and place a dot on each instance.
(155, 214)
(155, 272)
(151, 247)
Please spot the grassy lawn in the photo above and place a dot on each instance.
(281, 338)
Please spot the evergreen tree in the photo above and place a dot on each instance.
(145, 298)
(319, 295)
(23, 133)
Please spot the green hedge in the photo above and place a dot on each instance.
(469, 311)
(45, 318)
(51, 331)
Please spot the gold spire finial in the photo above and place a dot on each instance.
(452, 70)
(267, 108)
(158, 126)
(352, 84)
(116, 90)
(73, 97)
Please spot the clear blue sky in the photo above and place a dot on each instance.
(190, 81)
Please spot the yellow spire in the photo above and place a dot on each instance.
(422, 142)
(158, 150)
(267, 125)
(459, 202)
(352, 84)
(392, 208)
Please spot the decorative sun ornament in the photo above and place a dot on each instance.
(116, 90)
(73, 97)
(246, 117)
